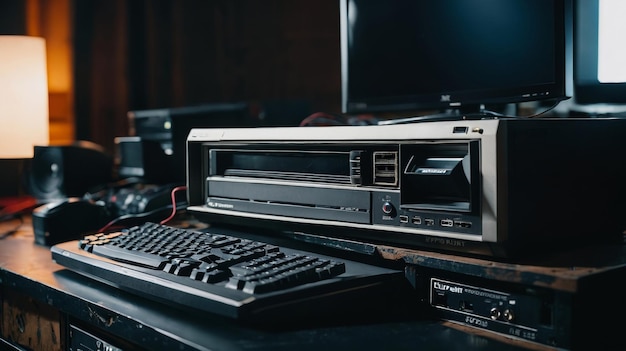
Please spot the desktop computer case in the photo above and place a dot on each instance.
(494, 187)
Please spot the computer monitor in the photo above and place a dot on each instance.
(459, 55)
(599, 52)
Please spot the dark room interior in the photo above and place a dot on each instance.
(239, 175)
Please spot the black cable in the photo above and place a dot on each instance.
(128, 217)
(538, 114)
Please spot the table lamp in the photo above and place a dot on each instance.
(23, 106)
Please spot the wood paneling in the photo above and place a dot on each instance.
(143, 54)
(30, 323)
(52, 21)
(107, 57)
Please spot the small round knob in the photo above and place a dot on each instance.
(508, 315)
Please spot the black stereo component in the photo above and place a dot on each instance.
(566, 303)
(80, 339)
(169, 127)
(139, 158)
(67, 219)
(491, 187)
(525, 315)
(71, 170)
(130, 204)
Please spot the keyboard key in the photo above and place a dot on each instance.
(139, 258)
(181, 266)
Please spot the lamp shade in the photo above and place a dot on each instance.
(23, 96)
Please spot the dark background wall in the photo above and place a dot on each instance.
(12, 17)
(143, 54)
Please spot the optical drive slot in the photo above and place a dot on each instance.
(290, 176)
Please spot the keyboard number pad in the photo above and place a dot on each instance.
(277, 272)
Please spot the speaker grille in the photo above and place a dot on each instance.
(68, 170)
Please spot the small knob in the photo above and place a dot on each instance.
(508, 315)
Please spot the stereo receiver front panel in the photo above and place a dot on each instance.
(537, 315)
(408, 186)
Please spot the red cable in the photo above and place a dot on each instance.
(169, 218)
(174, 191)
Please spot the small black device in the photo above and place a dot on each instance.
(143, 158)
(169, 128)
(67, 219)
(141, 199)
(61, 171)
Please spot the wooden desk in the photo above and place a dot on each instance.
(46, 307)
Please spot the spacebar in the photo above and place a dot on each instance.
(129, 256)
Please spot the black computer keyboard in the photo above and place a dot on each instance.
(218, 272)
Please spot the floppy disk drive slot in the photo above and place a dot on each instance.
(288, 165)
(281, 175)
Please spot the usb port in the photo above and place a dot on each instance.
(446, 223)
(416, 220)
(385, 167)
(404, 219)
(463, 224)
(457, 130)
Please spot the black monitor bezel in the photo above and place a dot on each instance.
(465, 101)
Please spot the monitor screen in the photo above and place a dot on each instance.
(599, 52)
(406, 55)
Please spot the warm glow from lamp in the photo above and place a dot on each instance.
(23, 96)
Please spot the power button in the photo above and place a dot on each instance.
(388, 208)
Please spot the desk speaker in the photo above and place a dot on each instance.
(64, 171)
